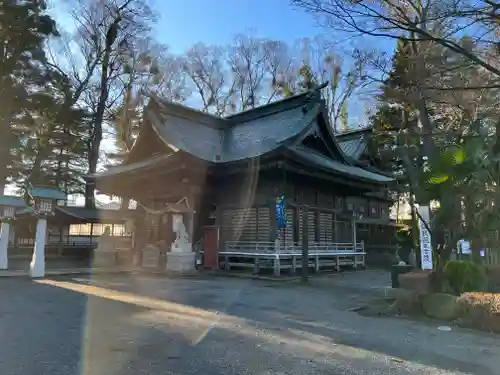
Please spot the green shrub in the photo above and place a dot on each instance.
(464, 276)
(493, 275)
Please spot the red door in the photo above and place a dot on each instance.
(210, 247)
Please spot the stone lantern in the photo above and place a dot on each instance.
(8, 207)
(43, 201)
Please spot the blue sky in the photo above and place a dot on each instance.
(183, 23)
(186, 22)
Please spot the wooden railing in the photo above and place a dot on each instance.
(75, 241)
(260, 254)
(267, 247)
(257, 247)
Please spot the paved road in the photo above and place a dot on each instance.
(220, 326)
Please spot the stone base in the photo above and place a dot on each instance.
(104, 259)
(182, 247)
(181, 262)
(418, 281)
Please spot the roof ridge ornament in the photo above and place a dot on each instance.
(312, 97)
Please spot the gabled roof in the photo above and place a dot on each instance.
(246, 135)
(150, 162)
(328, 164)
(354, 143)
(257, 133)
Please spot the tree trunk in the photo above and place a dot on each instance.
(4, 160)
(96, 138)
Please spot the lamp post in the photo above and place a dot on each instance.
(8, 206)
(43, 200)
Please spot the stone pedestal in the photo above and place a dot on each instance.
(181, 261)
(104, 259)
(150, 258)
(4, 245)
(37, 265)
(181, 256)
(181, 247)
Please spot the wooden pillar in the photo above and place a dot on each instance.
(61, 239)
(218, 227)
(335, 228)
(317, 234)
(305, 245)
(296, 226)
(91, 235)
(272, 220)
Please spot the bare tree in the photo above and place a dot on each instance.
(248, 61)
(442, 22)
(240, 76)
(316, 62)
(281, 68)
(106, 31)
(206, 72)
(422, 23)
(147, 68)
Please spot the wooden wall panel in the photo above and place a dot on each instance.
(263, 224)
(325, 227)
(239, 224)
(288, 234)
(312, 226)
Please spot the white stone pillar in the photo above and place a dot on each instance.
(37, 266)
(4, 245)
(354, 233)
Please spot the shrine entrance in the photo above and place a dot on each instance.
(168, 245)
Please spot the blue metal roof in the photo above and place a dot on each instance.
(9, 200)
(46, 192)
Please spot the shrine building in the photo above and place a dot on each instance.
(225, 174)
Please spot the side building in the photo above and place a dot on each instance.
(378, 236)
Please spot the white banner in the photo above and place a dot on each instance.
(425, 238)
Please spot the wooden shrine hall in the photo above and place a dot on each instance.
(229, 171)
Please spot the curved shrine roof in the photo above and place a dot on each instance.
(223, 140)
(250, 134)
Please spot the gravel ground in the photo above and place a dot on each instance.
(141, 325)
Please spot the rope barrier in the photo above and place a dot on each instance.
(168, 207)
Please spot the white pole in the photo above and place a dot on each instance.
(37, 266)
(354, 239)
(4, 245)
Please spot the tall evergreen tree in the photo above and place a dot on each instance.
(24, 27)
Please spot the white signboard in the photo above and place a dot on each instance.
(464, 247)
(425, 238)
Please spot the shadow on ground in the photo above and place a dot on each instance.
(136, 324)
